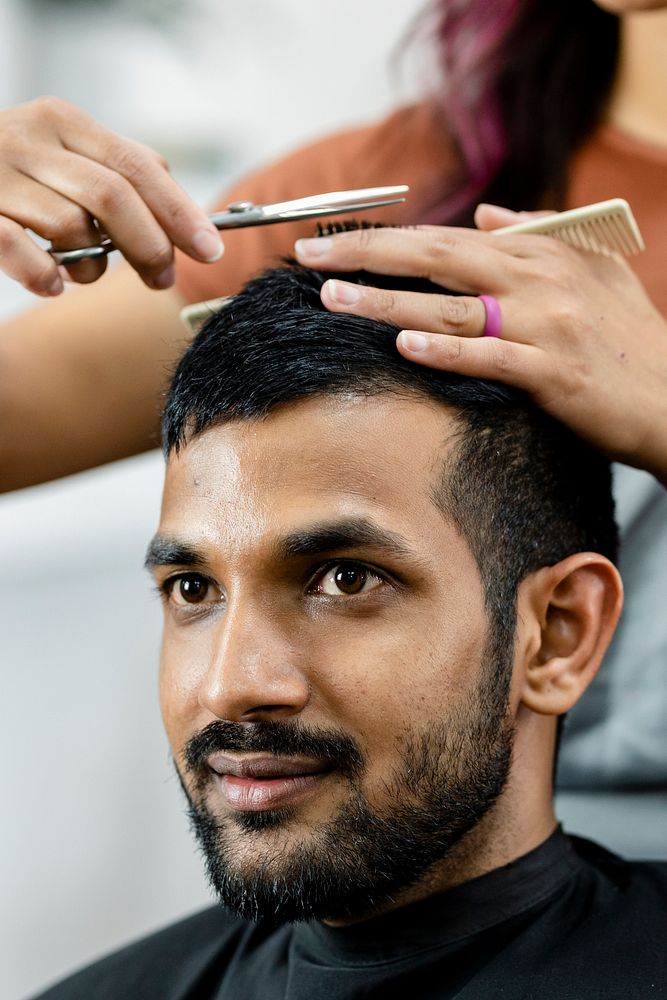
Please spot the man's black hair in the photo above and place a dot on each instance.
(524, 491)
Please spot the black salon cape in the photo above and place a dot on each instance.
(569, 921)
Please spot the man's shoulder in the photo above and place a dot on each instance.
(626, 893)
(625, 874)
(170, 963)
(600, 935)
(606, 931)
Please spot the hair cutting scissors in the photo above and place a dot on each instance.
(245, 213)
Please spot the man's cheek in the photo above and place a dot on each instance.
(181, 675)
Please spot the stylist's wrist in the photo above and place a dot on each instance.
(652, 454)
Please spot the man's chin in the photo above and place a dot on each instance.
(270, 841)
(258, 867)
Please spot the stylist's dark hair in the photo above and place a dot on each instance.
(524, 83)
(523, 490)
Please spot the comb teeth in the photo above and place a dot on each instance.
(606, 235)
(608, 227)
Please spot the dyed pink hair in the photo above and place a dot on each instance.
(470, 35)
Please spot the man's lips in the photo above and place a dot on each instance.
(265, 782)
(266, 766)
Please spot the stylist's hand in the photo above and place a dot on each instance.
(579, 332)
(61, 173)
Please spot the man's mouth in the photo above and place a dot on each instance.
(265, 782)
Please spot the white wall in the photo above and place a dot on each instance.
(93, 844)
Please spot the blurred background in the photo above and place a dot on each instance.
(94, 844)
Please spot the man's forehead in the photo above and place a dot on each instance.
(381, 450)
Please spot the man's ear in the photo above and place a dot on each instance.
(567, 614)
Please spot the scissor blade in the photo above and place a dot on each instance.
(332, 198)
(290, 211)
(313, 213)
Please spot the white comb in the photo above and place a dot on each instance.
(607, 227)
(194, 316)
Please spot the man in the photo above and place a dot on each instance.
(383, 588)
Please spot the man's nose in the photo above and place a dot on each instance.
(253, 671)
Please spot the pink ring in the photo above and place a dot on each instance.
(493, 327)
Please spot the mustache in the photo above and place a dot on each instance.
(281, 739)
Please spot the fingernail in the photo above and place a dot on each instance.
(500, 211)
(164, 279)
(343, 292)
(57, 287)
(413, 342)
(207, 245)
(311, 249)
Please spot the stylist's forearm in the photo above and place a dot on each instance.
(82, 378)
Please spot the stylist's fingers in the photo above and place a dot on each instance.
(57, 219)
(451, 314)
(184, 222)
(460, 259)
(85, 181)
(520, 365)
(23, 260)
(119, 209)
(489, 217)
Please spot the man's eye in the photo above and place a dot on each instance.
(191, 588)
(348, 578)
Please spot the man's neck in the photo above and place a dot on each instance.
(638, 103)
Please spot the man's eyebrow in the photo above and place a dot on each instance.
(165, 551)
(348, 533)
(327, 536)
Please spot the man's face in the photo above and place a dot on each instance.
(327, 684)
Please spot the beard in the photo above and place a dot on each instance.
(448, 775)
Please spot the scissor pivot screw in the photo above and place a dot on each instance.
(240, 206)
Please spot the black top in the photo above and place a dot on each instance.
(569, 921)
